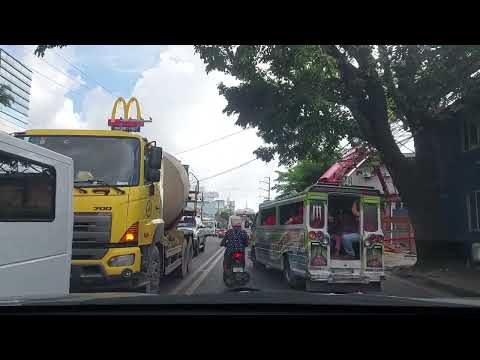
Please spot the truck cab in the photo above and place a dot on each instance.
(119, 232)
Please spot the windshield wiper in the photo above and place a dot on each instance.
(101, 183)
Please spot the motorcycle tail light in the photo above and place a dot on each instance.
(237, 255)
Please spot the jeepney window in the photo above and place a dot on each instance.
(317, 210)
(370, 217)
(27, 190)
(268, 216)
(291, 214)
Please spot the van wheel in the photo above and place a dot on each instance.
(153, 269)
(253, 258)
(291, 279)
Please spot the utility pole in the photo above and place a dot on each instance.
(266, 181)
(201, 211)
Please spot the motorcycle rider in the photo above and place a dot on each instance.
(234, 240)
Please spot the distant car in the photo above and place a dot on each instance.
(199, 231)
(220, 233)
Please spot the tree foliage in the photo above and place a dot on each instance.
(303, 174)
(5, 98)
(305, 98)
(40, 50)
(224, 214)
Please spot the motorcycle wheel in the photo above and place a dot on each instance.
(228, 281)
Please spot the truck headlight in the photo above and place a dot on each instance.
(122, 260)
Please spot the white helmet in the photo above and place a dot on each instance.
(235, 220)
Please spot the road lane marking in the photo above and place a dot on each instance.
(202, 277)
(192, 276)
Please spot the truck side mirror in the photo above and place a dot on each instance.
(155, 158)
(153, 175)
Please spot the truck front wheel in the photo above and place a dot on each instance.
(152, 269)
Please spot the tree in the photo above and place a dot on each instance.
(40, 50)
(303, 174)
(304, 99)
(5, 98)
(223, 215)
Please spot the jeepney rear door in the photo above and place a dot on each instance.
(372, 235)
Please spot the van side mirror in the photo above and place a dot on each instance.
(155, 158)
(153, 175)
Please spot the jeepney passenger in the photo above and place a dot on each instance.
(350, 229)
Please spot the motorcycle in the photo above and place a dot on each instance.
(234, 273)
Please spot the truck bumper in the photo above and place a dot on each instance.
(98, 272)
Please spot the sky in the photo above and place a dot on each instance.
(75, 88)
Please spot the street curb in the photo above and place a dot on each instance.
(454, 290)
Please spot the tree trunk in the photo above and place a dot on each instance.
(420, 188)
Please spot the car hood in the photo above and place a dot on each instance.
(247, 296)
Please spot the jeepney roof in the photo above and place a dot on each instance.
(325, 188)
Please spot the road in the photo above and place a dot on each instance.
(205, 277)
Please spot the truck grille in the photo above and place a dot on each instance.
(91, 228)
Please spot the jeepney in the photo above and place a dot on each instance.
(296, 235)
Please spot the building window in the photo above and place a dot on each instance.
(268, 216)
(291, 214)
(471, 135)
(473, 210)
(27, 190)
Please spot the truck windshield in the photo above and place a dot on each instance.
(110, 161)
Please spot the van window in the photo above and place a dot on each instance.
(268, 216)
(370, 217)
(27, 190)
(291, 214)
(317, 214)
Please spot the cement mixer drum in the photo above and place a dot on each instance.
(175, 188)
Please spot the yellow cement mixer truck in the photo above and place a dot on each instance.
(128, 198)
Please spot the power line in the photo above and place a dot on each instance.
(45, 76)
(228, 170)
(48, 78)
(60, 71)
(211, 142)
(83, 72)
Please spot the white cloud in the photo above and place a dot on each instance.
(186, 110)
(49, 105)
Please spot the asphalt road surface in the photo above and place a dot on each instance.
(205, 277)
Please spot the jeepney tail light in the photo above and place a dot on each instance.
(374, 263)
(311, 235)
(318, 255)
(318, 261)
(131, 235)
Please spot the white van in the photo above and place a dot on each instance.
(36, 220)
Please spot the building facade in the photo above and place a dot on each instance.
(18, 78)
(459, 167)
